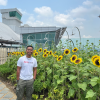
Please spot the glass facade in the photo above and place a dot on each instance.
(15, 14)
(39, 38)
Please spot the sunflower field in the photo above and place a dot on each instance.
(72, 73)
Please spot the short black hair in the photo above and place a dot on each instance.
(29, 46)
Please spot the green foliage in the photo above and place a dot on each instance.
(61, 80)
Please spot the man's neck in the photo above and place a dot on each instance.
(28, 56)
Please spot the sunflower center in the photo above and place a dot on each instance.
(66, 52)
(75, 49)
(77, 61)
(35, 53)
(73, 58)
(97, 62)
(59, 58)
(45, 55)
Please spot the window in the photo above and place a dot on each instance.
(15, 14)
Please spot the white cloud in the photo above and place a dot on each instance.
(32, 22)
(68, 20)
(79, 11)
(62, 19)
(81, 27)
(36, 23)
(3, 2)
(44, 11)
(23, 12)
(94, 10)
(84, 36)
(87, 3)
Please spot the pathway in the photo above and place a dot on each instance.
(5, 93)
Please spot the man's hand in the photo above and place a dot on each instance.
(17, 81)
(34, 71)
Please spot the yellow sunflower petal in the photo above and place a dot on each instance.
(59, 58)
(96, 62)
(77, 61)
(75, 49)
(73, 58)
(66, 52)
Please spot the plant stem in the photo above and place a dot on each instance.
(78, 82)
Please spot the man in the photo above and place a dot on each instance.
(26, 66)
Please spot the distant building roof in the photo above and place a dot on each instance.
(6, 33)
(12, 9)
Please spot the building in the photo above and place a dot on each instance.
(12, 18)
(41, 35)
(31, 35)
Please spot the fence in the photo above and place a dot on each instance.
(3, 53)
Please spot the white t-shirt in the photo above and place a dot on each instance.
(26, 64)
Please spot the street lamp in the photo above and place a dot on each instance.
(28, 37)
(45, 36)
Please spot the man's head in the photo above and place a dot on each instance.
(29, 50)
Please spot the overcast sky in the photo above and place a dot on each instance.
(60, 13)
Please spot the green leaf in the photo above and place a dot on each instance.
(71, 92)
(55, 65)
(90, 94)
(49, 72)
(72, 77)
(86, 74)
(56, 76)
(82, 85)
(93, 81)
(59, 81)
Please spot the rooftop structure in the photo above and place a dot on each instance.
(12, 18)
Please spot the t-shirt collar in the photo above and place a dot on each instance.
(29, 58)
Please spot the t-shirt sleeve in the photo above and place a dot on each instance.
(35, 64)
(19, 62)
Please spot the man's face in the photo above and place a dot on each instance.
(29, 51)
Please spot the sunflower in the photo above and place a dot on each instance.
(55, 55)
(77, 61)
(34, 51)
(12, 53)
(59, 58)
(45, 55)
(73, 58)
(23, 53)
(40, 49)
(93, 57)
(35, 54)
(75, 49)
(45, 50)
(96, 62)
(8, 54)
(66, 52)
(17, 53)
(55, 52)
(50, 52)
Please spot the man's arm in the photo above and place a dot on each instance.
(18, 72)
(34, 71)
